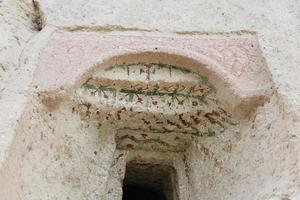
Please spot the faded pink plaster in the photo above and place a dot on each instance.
(236, 60)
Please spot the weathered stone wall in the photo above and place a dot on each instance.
(16, 29)
(39, 159)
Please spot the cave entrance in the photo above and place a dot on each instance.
(149, 182)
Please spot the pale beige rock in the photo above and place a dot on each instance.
(53, 147)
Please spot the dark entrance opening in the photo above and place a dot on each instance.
(149, 182)
(136, 192)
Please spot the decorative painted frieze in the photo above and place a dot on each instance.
(152, 105)
(156, 93)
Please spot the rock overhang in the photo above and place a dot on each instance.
(126, 81)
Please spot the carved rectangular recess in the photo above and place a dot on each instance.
(149, 181)
(161, 175)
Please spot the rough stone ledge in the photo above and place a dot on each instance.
(234, 62)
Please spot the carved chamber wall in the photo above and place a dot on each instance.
(110, 110)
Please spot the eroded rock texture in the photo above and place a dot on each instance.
(88, 106)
